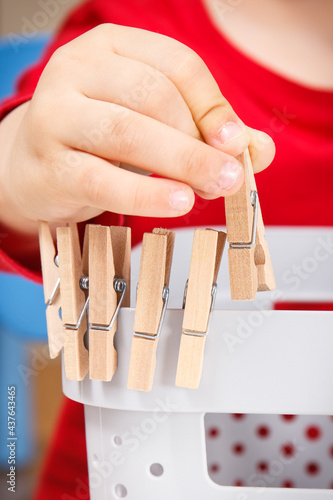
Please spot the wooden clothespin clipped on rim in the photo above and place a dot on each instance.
(199, 297)
(51, 283)
(73, 301)
(250, 265)
(152, 297)
(108, 248)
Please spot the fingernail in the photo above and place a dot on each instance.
(229, 175)
(229, 131)
(179, 200)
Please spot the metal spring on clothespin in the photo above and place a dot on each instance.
(120, 286)
(254, 203)
(213, 295)
(165, 298)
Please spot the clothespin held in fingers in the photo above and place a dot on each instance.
(250, 266)
(152, 297)
(73, 302)
(199, 298)
(104, 284)
(51, 282)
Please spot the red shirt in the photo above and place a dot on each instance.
(295, 190)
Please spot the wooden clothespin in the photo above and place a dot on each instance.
(199, 297)
(109, 248)
(51, 282)
(73, 302)
(152, 297)
(250, 266)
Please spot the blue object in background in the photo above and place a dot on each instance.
(15, 57)
(22, 309)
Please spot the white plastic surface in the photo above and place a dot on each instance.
(302, 260)
(174, 441)
(247, 367)
(256, 361)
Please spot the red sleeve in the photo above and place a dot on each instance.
(81, 20)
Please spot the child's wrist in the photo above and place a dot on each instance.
(11, 216)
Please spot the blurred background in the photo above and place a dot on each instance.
(14, 12)
(24, 360)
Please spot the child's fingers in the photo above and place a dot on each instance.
(210, 110)
(98, 184)
(218, 123)
(137, 86)
(120, 134)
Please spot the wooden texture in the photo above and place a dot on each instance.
(206, 256)
(149, 301)
(239, 211)
(247, 276)
(142, 364)
(243, 273)
(201, 278)
(154, 274)
(121, 248)
(190, 361)
(102, 305)
(169, 250)
(50, 272)
(72, 302)
(103, 298)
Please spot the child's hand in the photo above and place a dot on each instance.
(114, 97)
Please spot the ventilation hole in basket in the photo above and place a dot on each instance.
(120, 491)
(117, 440)
(156, 470)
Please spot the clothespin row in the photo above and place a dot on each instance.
(250, 266)
(87, 280)
(151, 303)
(100, 280)
(199, 298)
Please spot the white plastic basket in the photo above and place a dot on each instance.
(145, 446)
